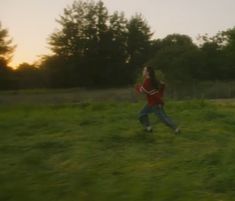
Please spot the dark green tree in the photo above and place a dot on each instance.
(211, 56)
(6, 50)
(98, 49)
(6, 46)
(218, 56)
(138, 43)
(57, 71)
(228, 51)
(28, 76)
(80, 42)
(177, 57)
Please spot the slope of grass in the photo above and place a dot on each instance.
(98, 151)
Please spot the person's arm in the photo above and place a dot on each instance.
(145, 88)
(138, 88)
(142, 88)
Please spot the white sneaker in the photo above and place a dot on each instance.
(177, 131)
(149, 129)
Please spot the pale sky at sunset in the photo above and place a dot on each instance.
(30, 22)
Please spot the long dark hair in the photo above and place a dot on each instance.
(153, 79)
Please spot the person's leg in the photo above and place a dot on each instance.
(159, 111)
(143, 117)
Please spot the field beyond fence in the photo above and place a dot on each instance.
(178, 91)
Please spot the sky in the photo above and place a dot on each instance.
(31, 22)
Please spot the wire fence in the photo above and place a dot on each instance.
(177, 91)
(202, 90)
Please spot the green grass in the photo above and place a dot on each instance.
(98, 152)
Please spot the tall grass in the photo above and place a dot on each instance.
(98, 151)
(201, 90)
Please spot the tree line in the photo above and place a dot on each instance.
(93, 48)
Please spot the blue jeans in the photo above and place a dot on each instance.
(157, 110)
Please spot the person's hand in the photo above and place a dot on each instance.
(137, 88)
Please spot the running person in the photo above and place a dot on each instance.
(154, 91)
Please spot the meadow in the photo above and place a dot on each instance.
(69, 150)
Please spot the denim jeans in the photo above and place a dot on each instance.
(158, 110)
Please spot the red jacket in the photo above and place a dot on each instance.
(154, 96)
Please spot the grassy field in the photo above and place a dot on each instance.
(97, 151)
